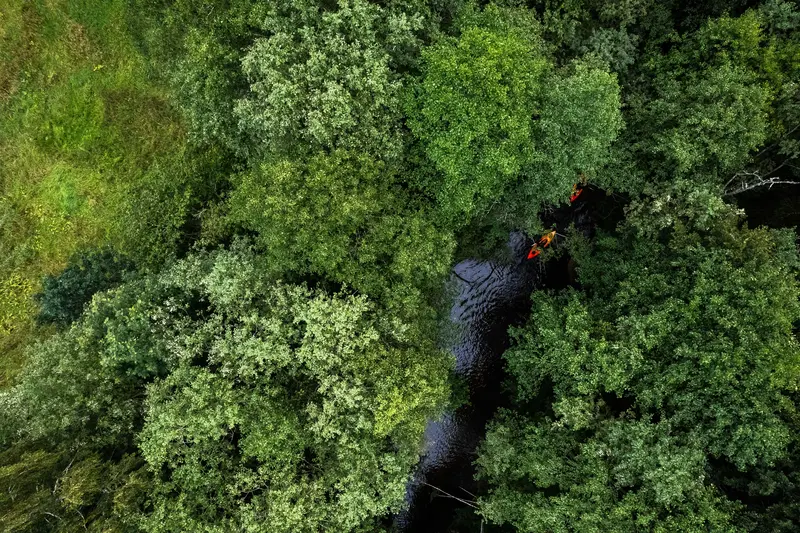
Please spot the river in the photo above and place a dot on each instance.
(491, 296)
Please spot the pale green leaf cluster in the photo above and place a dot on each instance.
(292, 78)
(254, 403)
(324, 81)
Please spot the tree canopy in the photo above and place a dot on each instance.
(291, 78)
(295, 412)
(498, 120)
(343, 217)
(676, 360)
(229, 236)
(262, 401)
(63, 297)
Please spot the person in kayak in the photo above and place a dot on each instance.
(576, 191)
(543, 243)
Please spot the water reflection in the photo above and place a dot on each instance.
(490, 297)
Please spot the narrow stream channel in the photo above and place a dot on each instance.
(491, 296)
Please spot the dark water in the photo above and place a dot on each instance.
(775, 207)
(491, 296)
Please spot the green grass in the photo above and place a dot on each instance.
(81, 129)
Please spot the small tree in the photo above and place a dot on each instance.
(64, 296)
(345, 218)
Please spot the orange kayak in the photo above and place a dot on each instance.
(543, 243)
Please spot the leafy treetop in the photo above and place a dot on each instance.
(676, 359)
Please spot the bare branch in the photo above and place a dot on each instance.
(747, 181)
(83, 518)
(468, 492)
(465, 502)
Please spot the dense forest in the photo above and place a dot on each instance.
(227, 230)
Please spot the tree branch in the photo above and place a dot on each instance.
(465, 502)
(747, 181)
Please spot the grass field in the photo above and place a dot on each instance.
(82, 131)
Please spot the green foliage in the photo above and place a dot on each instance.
(705, 109)
(289, 78)
(631, 476)
(719, 99)
(315, 409)
(678, 358)
(22, 479)
(727, 113)
(46, 489)
(474, 115)
(344, 217)
(616, 47)
(308, 215)
(149, 221)
(499, 122)
(579, 119)
(782, 70)
(252, 384)
(201, 53)
(63, 297)
(85, 383)
(781, 15)
(285, 385)
(326, 81)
